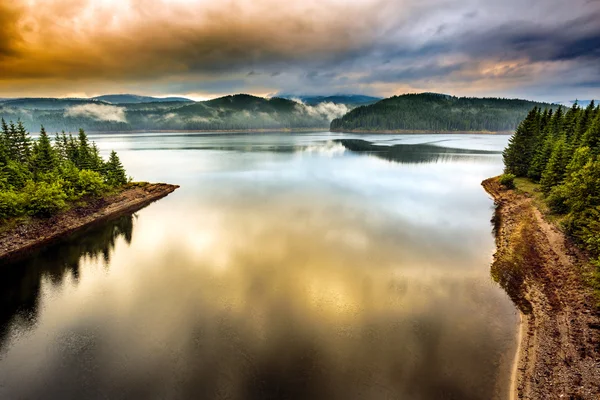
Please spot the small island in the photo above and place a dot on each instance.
(49, 190)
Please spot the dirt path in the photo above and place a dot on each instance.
(543, 272)
(39, 232)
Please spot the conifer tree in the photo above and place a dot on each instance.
(23, 142)
(5, 135)
(541, 156)
(115, 173)
(84, 152)
(557, 165)
(583, 123)
(60, 146)
(72, 150)
(3, 155)
(11, 142)
(44, 159)
(517, 156)
(96, 160)
(591, 138)
(556, 122)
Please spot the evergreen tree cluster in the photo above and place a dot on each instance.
(436, 112)
(560, 149)
(38, 177)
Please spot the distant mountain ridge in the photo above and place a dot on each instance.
(433, 112)
(414, 112)
(46, 103)
(235, 112)
(134, 98)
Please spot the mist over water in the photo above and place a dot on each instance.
(285, 267)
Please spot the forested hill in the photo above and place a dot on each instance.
(237, 112)
(436, 112)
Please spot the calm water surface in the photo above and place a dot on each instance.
(285, 267)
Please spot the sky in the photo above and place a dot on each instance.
(545, 50)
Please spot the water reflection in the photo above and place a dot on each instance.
(22, 280)
(312, 274)
(416, 153)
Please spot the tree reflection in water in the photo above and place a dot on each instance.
(22, 279)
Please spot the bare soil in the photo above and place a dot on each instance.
(544, 273)
(23, 238)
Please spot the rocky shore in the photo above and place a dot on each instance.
(545, 275)
(19, 240)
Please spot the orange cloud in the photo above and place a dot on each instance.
(116, 40)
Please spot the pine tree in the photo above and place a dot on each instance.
(517, 156)
(580, 158)
(115, 173)
(556, 122)
(583, 123)
(557, 165)
(570, 122)
(72, 150)
(3, 155)
(541, 156)
(84, 152)
(44, 158)
(5, 138)
(97, 162)
(60, 146)
(12, 142)
(591, 138)
(23, 143)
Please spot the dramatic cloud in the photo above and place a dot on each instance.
(543, 49)
(100, 112)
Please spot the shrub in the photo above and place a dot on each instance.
(507, 180)
(89, 183)
(16, 174)
(44, 199)
(11, 204)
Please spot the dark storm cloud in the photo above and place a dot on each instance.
(571, 39)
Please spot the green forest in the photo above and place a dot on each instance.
(436, 112)
(560, 150)
(43, 176)
(237, 112)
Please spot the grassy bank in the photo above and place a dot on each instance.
(533, 190)
(544, 272)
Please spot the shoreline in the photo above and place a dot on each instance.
(420, 132)
(265, 130)
(21, 239)
(515, 362)
(543, 272)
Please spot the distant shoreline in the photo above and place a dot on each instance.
(273, 130)
(307, 130)
(19, 240)
(420, 132)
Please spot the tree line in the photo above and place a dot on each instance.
(560, 149)
(239, 112)
(436, 112)
(40, 177)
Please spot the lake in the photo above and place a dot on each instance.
(285, 267)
